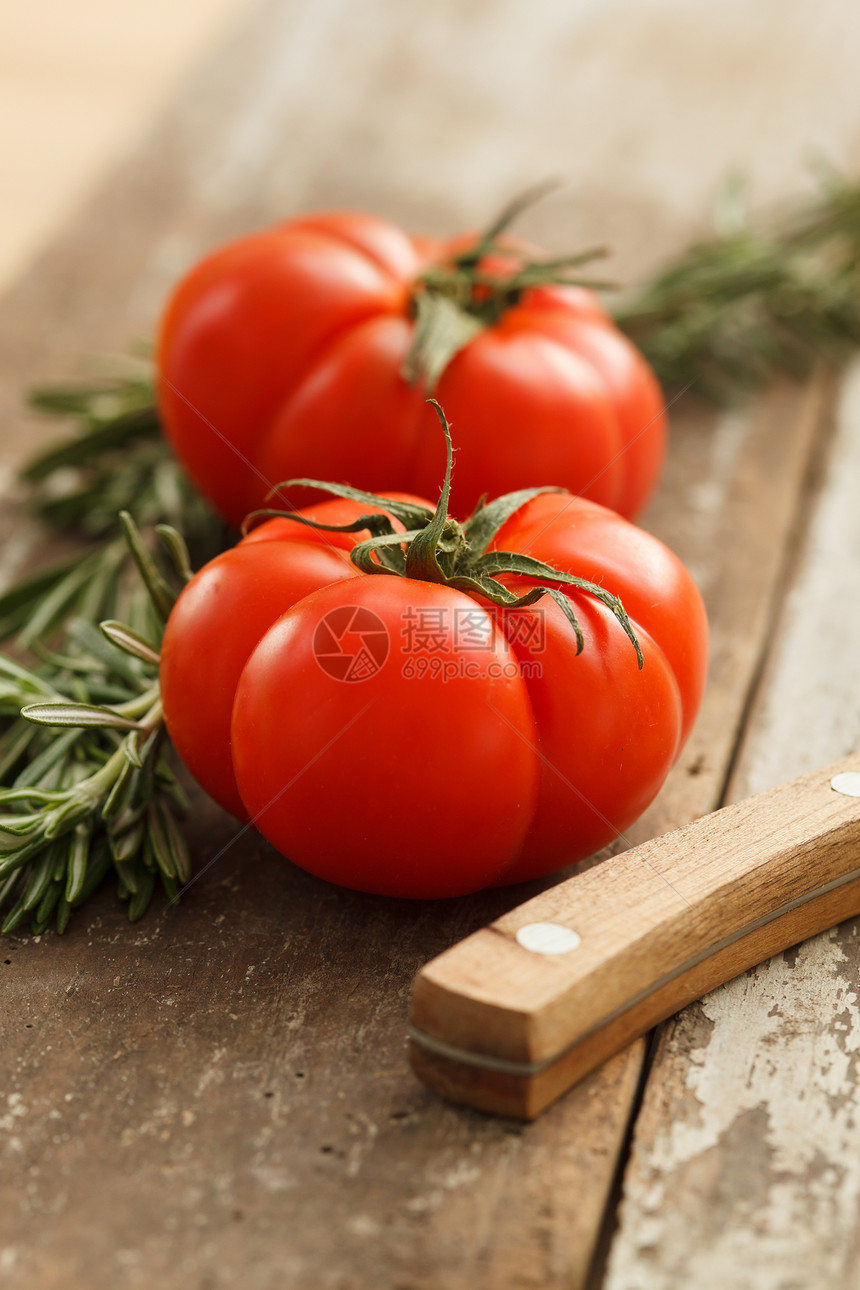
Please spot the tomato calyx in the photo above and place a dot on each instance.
(455, 301)
(435, 547)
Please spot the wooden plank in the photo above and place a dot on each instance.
(140, 1091)
(222, 1094)
(745, 1164)
(226, 1089)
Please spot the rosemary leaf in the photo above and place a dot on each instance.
(74, 803)
(733, 312)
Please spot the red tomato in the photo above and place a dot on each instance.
(402, 737)
(280, 356)
(220, 617)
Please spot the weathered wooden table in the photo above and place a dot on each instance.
(219, 1096)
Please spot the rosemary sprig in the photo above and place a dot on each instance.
(101, 795)
(117, 460)
(736, 310)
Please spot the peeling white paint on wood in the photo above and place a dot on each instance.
(808, 713)
(745, 1171)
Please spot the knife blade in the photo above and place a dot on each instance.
(511, 1017)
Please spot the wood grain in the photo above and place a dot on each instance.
(751, 1122)
(140, 1144)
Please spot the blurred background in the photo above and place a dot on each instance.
(78, 82)
(642, 109)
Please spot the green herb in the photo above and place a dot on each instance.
(739, 309)
(101, 796)
(117, 460)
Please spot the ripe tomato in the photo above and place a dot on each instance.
(282, 355)
(222, 614)
(408, 737)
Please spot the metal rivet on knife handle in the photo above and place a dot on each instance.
(547, 938)
(847, 783)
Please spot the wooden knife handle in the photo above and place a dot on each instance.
(515, 1014)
